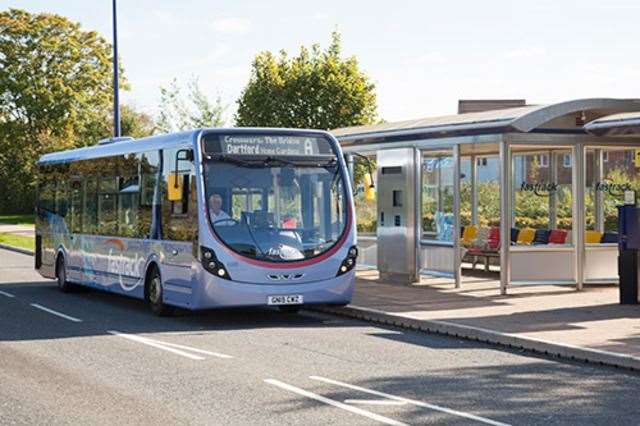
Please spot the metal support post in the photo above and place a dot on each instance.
(598, 196)
(505, 214)
(473, 180)
(417, 158)
(578, 182)
(456, 217)
(553, 196)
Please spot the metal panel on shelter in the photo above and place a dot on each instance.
(396, 215)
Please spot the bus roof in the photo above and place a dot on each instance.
(155, 142)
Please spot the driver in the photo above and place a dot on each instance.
(216, 214)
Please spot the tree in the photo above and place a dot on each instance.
(316, 89)
(135, 123)
(196, 110)
(55, 93)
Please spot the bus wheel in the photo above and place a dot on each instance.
(154, 294)
(61, 273)
(289, 309)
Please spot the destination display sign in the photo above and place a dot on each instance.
(268, 145)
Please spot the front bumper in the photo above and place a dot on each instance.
(213, 292)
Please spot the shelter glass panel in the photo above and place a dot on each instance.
(437, 196)
(542, 196)
(488, 190)
(466, 189)
(610, 172)
(366, 203)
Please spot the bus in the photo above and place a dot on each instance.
(203, 219)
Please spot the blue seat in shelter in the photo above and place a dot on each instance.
(541, 237)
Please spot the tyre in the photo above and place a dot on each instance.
(61, 274)
(290, 309)
(154, 294)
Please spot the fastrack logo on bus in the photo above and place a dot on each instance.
(121, 265)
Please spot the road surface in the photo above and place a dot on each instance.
(96, 358)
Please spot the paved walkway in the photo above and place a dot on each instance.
(590, 319)
(26, 230)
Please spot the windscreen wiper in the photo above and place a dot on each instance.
(272, 161)
(331, 163)
(255, 241)
(327, 242)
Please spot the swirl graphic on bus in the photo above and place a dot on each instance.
(122, 266)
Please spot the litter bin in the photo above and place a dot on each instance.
(628, 254)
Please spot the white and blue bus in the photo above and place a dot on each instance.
(203, 219)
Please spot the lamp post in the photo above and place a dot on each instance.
(116, 97)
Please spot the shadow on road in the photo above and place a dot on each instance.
(526, 393)
(101, 311)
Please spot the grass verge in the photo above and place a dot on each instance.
(17, 219)
(20, 241)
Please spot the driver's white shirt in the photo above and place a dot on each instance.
(220, 216)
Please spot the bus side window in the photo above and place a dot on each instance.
(61, 198)
(107, 206)
(75, 198)
(90, 210)
(46, 197)
(149, 165)
(128, 196)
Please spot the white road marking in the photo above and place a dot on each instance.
(412, 401)
(155, 345)
(4, 293)
(188, 348)
(355, 410)
(374, 402)
(169, 347)
(56, 313)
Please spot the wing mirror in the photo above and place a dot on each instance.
(175, 185)
(369, 182)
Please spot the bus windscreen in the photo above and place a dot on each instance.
(275, 198)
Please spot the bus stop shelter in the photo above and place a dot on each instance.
(530, 192)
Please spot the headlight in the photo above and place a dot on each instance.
(211, 263)
(349, 262)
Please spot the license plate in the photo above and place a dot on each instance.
(285, 300)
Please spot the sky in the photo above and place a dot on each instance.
(422, 55)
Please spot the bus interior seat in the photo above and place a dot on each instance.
(263, 218)
(245, 217)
